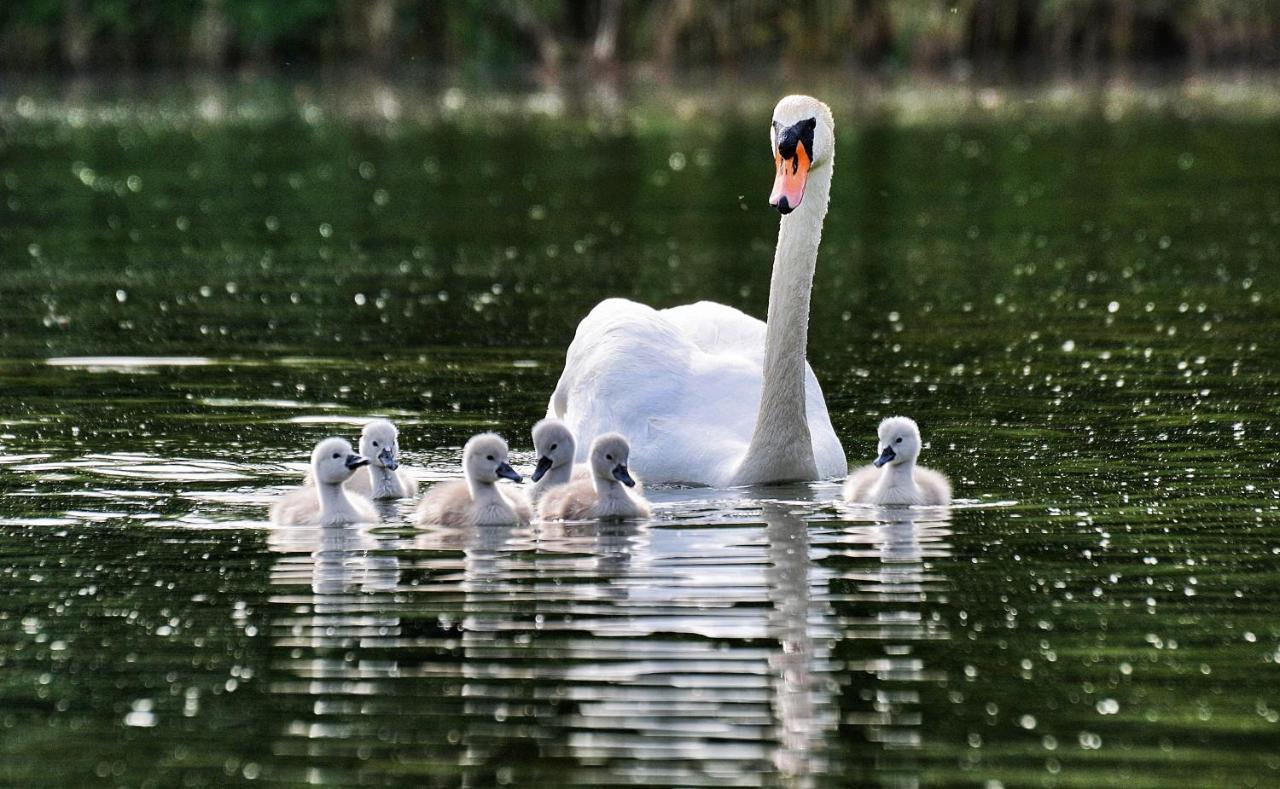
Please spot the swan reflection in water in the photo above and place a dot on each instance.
(342, 565)
(885, 623)
(801, 621)
(331, 599)
(729, 653)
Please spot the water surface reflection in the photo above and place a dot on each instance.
(610, 653)
(887, 592)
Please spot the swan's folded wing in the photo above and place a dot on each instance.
(857, 488)
(727, 333)
(934, 485)
(445, 504)
(298, 506)
(568, 502)
(682, 384)
(717, 328)
(625, 367)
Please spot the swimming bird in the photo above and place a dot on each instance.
(553, 442)
(477, 500)
(894, 477)
(383, 478)
(707, 394)
(602, 495)
(326, 503)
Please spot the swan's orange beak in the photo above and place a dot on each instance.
(788, 184)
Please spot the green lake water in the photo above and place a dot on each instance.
(1079, 307)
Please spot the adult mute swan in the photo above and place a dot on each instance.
(894, 477)
(707, 394)
(477, 500)
(326, 503)
(383, 478)
(601, 496)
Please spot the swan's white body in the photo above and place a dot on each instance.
(602, 495)
(683, 384)
(477, 500)
(453, 505)
(326, 502)
(589, 499)
(705, 393)
(921, 486)
(898, 480)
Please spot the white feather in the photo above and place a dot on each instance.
(685, 384)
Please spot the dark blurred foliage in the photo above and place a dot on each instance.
(1014, 36)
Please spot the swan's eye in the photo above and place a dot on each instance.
(899, 441)
(375, 443)
(553, 447)
(488, 457)
(336, 455)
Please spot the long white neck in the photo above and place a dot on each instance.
(335, 507)
(609, 488)
(781, 448)
(485, 494)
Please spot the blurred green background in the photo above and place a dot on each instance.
(1011, 36)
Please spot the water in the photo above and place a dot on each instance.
(1078, 306)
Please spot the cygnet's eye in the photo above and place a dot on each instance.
(553, 447)
(336, 455)
(375, 443)
(898, 441)
(608, 457)
(488, 457)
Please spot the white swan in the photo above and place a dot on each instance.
(383, 478)
(326, 503)
(554, 444)
(602, 496)
(477, 500)
(894, 477)
(705, 393)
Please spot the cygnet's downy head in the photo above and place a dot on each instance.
(334, 461)
(484, 459)
(802, 138)
(379, 441)
(554, 443)
(609, 455)
(899, 441)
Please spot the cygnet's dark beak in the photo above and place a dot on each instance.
(355, 462)
(388, 459)
(886, 456)
(505, 470)
(544, 465)
(620, 473)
